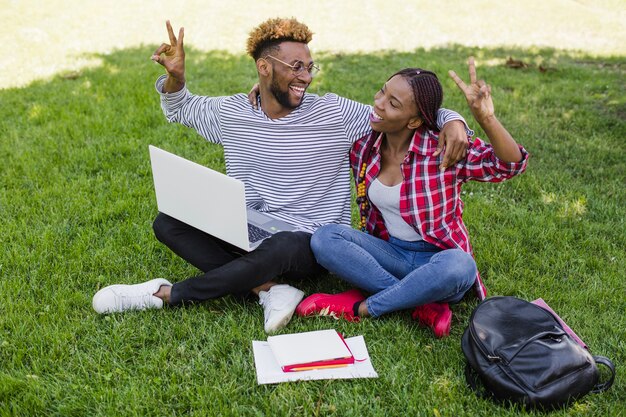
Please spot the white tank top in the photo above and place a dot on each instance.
(387, 200)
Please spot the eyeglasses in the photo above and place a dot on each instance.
(299, 66)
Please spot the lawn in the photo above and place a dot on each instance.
(77, 203)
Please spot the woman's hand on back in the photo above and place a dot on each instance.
(253, 96)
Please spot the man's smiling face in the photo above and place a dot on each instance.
(287, 87)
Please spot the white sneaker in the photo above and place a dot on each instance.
(118, 298)
(279, 303)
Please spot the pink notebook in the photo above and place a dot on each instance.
(545, 306)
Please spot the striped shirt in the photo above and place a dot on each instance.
(295, 168)
(430, 200)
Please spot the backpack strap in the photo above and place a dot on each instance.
(474, 382)
(603, 386)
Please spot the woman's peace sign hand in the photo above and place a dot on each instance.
(477, 93)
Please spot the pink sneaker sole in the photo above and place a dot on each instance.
(442, 326)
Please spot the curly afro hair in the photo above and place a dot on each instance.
(272, 32)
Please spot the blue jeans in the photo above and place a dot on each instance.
(397, 273)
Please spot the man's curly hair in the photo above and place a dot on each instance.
(269, 34)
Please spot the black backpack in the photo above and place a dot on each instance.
(521, 354)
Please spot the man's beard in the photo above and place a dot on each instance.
(281, 96)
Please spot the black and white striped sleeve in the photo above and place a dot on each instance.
(444, 116)
(355, 118)
(198, 112)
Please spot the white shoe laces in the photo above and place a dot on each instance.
(127, 302)
(275, 299)
(328, 313)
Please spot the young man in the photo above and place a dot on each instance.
(292, 154)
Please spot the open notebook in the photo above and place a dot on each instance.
(310, 350)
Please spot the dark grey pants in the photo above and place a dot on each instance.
(228, 269)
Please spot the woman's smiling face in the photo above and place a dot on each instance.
(394, 107)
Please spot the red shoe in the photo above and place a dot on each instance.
(333, 305)
(437, 316)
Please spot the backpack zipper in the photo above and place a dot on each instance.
(493, 358)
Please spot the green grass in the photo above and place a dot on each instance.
(76, 206)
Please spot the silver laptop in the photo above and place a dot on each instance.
(210, 201)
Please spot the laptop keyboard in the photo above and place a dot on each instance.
(256, 233)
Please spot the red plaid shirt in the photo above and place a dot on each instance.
(430, 200)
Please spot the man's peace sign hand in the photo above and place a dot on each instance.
(172, 55)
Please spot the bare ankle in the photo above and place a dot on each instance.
(164, 293)
(263, 287)
(363, 311)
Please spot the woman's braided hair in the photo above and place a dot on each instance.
(427, 93)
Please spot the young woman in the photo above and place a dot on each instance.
(413, 249)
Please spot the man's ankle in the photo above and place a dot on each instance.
(263, 287)
(164, 293)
